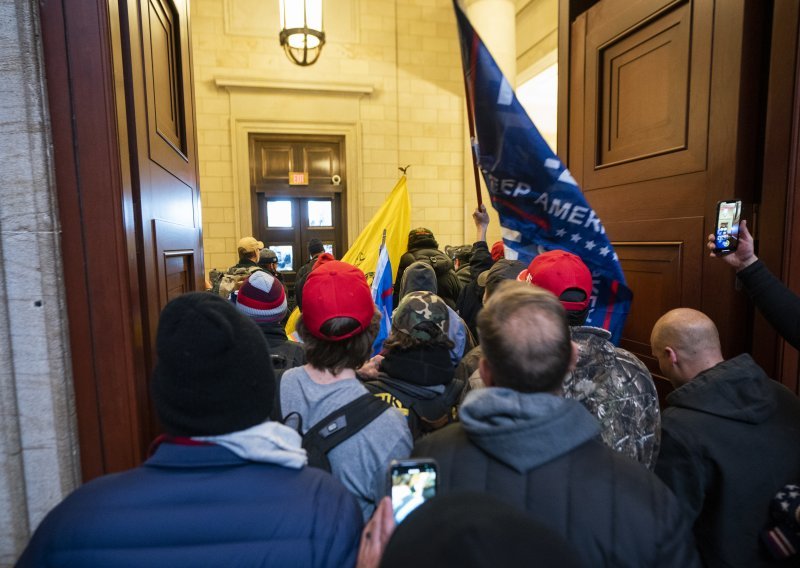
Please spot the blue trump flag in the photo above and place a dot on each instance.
(540, 205)
(382, 289)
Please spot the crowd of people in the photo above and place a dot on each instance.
(550, 443)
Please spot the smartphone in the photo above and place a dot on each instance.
(413, 481)
(726, 232)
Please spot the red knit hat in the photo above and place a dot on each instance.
(559, 271)
(262, 298)
(498, 251)
(336, 289)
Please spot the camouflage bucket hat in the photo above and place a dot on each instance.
(422, 315)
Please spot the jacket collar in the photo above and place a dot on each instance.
(737, 389)
(179, 456)
(525, 430)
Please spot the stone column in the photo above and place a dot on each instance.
(495, 22)
(39, 462)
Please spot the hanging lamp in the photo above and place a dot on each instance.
(302, 36)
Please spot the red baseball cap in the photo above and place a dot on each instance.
(498, 251)
(559, 271)
(336, 289)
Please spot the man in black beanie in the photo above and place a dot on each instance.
(223, 485)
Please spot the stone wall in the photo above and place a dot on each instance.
(402, 54)
(38, 444)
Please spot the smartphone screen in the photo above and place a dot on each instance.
(726, 237)
(413, 483)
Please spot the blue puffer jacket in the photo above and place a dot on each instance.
(201, 506)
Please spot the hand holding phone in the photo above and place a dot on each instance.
(726, 230)
(413, 482)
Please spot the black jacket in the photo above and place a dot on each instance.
(285, 354)
(780, 306)
(470, 300)
(300, 280)
(730, 440)
(448, 285)
(542, 453)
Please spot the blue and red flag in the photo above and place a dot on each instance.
(540, 205)
(382, 289)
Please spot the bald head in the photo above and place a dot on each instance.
(686, 343)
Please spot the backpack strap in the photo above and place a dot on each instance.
(339, 426)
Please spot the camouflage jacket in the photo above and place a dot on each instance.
(618, 390)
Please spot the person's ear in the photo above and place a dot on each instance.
(573, 359)
(672, 354)
(486, 372)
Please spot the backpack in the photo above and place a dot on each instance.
(335, 428)
(225, 283)
(424, 415)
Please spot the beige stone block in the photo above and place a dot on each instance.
(216, 105)
(219, 261)
(213, 214)
(450, 172)
(372, 112)
(406, 127)
(411, 157)
(219, 230)
(451, 116)
(214, 246)
(422, 143)
(450, 144)
(208, 153)
(425, 172)
(219, 200)
(374, 171)
(374, 141)
(215, 136)
(209, 185)
(220, 169)
(424, 115)
(424, 29)
(434, 158)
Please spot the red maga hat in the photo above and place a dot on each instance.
(559, 271)
(335, 289)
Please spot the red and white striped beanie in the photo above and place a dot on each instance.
(262, 298)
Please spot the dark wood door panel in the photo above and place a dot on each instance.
(272, 158)
(646, 92)
(177, 261)
(321, 162)
(661, 125)
(166, 79)
(662, 260)
(270, 162)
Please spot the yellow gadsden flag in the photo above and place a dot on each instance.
(394, 216)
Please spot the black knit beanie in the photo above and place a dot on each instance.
(214, 375)
(315, 246)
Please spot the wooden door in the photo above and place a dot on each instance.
(158, 77)
(122, 108)
(664, 121)
(288, 216)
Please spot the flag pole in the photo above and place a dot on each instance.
(473, 141)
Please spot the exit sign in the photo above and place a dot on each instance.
(298, 178)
